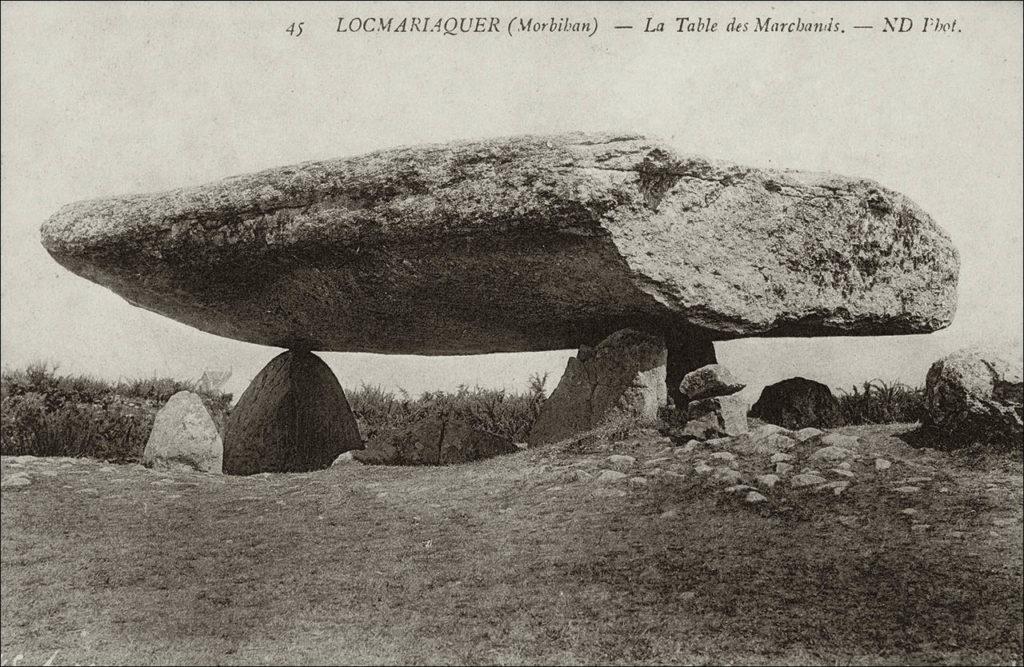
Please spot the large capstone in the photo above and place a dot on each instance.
(293, 417)
(527, 243)
(623, 378)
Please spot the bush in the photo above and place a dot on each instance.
(510, 415)
(880, 402)
(45, 414)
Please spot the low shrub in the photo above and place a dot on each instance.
(880, 402)
(507, 414)
(46, 414)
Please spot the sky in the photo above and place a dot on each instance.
(108, 98)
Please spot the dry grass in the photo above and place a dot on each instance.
(508, 561)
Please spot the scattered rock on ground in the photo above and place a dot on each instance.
(831, 453)
(806, 479)
(807, 433)
(606, 476)
(840, 440)
(345, 459)
(882, 464)
(755, 497)
(711, 417)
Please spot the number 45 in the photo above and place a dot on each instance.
(295, 29)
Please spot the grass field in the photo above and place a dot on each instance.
(522, 559)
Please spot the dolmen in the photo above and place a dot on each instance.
(520, 244)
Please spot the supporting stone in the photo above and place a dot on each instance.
(293, 417)
(622, 377)
(685, 354)
(716, 417)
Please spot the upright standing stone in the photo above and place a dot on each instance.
(622, 377)
(184, 436)
(293, 417)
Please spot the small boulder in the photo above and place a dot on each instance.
(623, 377)
(345, 459)
(807, 433)
(711, 417)
(806, 479)
(797, 403)
(709, 381)
(754, 497)
(976, 395)
(882, 464)
(621, 460)
(771, 443)
(840, 440)
(727, 476)
(768, 481)
(831, 453)
(607, 476)
(184, 436)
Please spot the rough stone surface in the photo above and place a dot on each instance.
(184, 436)
(710, 381)
(831, 453)
(710, 417)
(434, 441)
(797, 403)
(807, 433)
(840, 440)
(976, 395)
(293, 417)
(806, 479)
(577, 236)
(770, 443)
(347, 458)
(622, 378)
(606, 476)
